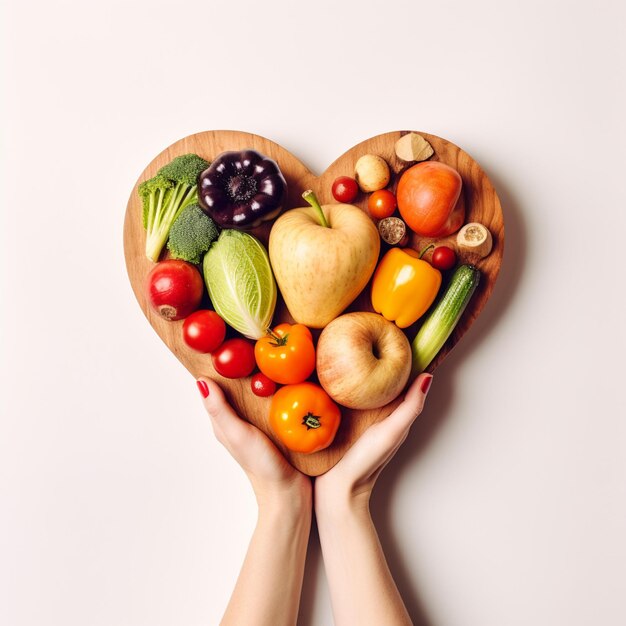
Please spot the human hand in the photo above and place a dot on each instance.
(273, 478)
(352, 479)
(268, 588)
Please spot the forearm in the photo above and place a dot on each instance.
(361, 586)
(268, 589)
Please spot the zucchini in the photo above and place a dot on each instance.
(444, 317)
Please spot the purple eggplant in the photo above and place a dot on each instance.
(242, 189)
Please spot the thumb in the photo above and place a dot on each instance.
(228, 427)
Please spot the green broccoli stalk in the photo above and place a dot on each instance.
(165, 195)
(191, 234)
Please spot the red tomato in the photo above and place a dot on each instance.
(234, 358)
(381, 204)
(428, 199)
(174, 289)
(204, 331)
(444, 258)
(345, 189)
(262, 386)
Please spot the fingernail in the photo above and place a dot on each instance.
(425, 386)
(203, 388)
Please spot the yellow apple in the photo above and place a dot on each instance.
(322, 257)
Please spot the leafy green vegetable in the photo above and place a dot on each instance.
(191, 234)
(240, 282)
(165, 195)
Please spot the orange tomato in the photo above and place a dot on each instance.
(286, 355)
(304, 417)
(381, 204)
(428, 195)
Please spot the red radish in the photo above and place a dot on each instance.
(174, 289)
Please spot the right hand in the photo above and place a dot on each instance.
(273, 478)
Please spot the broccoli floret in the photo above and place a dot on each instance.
(191, 234)
(164, 196)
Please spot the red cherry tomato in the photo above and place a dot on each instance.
(381, 204)
(204, 331)
(444, 258)
(262, 386)
(345, 189)
(234, 358)
(174, 289)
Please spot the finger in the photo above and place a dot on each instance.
(229, 428)
(390, 433)
(410, 408)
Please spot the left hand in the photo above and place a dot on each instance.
(351, 480)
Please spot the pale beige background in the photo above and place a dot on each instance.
(506, 506)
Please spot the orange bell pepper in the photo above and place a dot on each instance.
(404, 286)
(286, 355)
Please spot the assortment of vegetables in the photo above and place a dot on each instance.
(428, 195)
(174, 289)
(404, 286)
(345, 189)
(204, 331)
(304, 417)
(393, 231)
(262, 386)
(234, 358)
(444, 318)
(286, 354)
(191, 234)
(322, 258)
(413, 147)
(381, 204)
(444, 258)
(475, 238)
(372, 172)
(165, 195)
(240, 282)
(242, 189)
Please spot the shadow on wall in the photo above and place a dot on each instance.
(429, 423)
(440, 399)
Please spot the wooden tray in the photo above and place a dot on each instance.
(482, 205)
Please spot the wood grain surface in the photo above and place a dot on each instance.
(482, 205)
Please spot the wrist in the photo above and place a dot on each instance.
(291, 500)
(341, 504)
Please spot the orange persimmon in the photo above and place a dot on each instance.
(428, 199)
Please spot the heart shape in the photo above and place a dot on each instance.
(481, 203)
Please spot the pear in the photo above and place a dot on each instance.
(322, 257)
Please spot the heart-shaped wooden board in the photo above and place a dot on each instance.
(482, 205)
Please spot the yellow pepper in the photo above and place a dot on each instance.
(404, 286)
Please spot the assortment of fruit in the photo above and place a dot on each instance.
(319, 259)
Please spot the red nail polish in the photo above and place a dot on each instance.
(425, 386)
(203, 387)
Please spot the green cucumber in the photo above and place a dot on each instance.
(444, 317)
